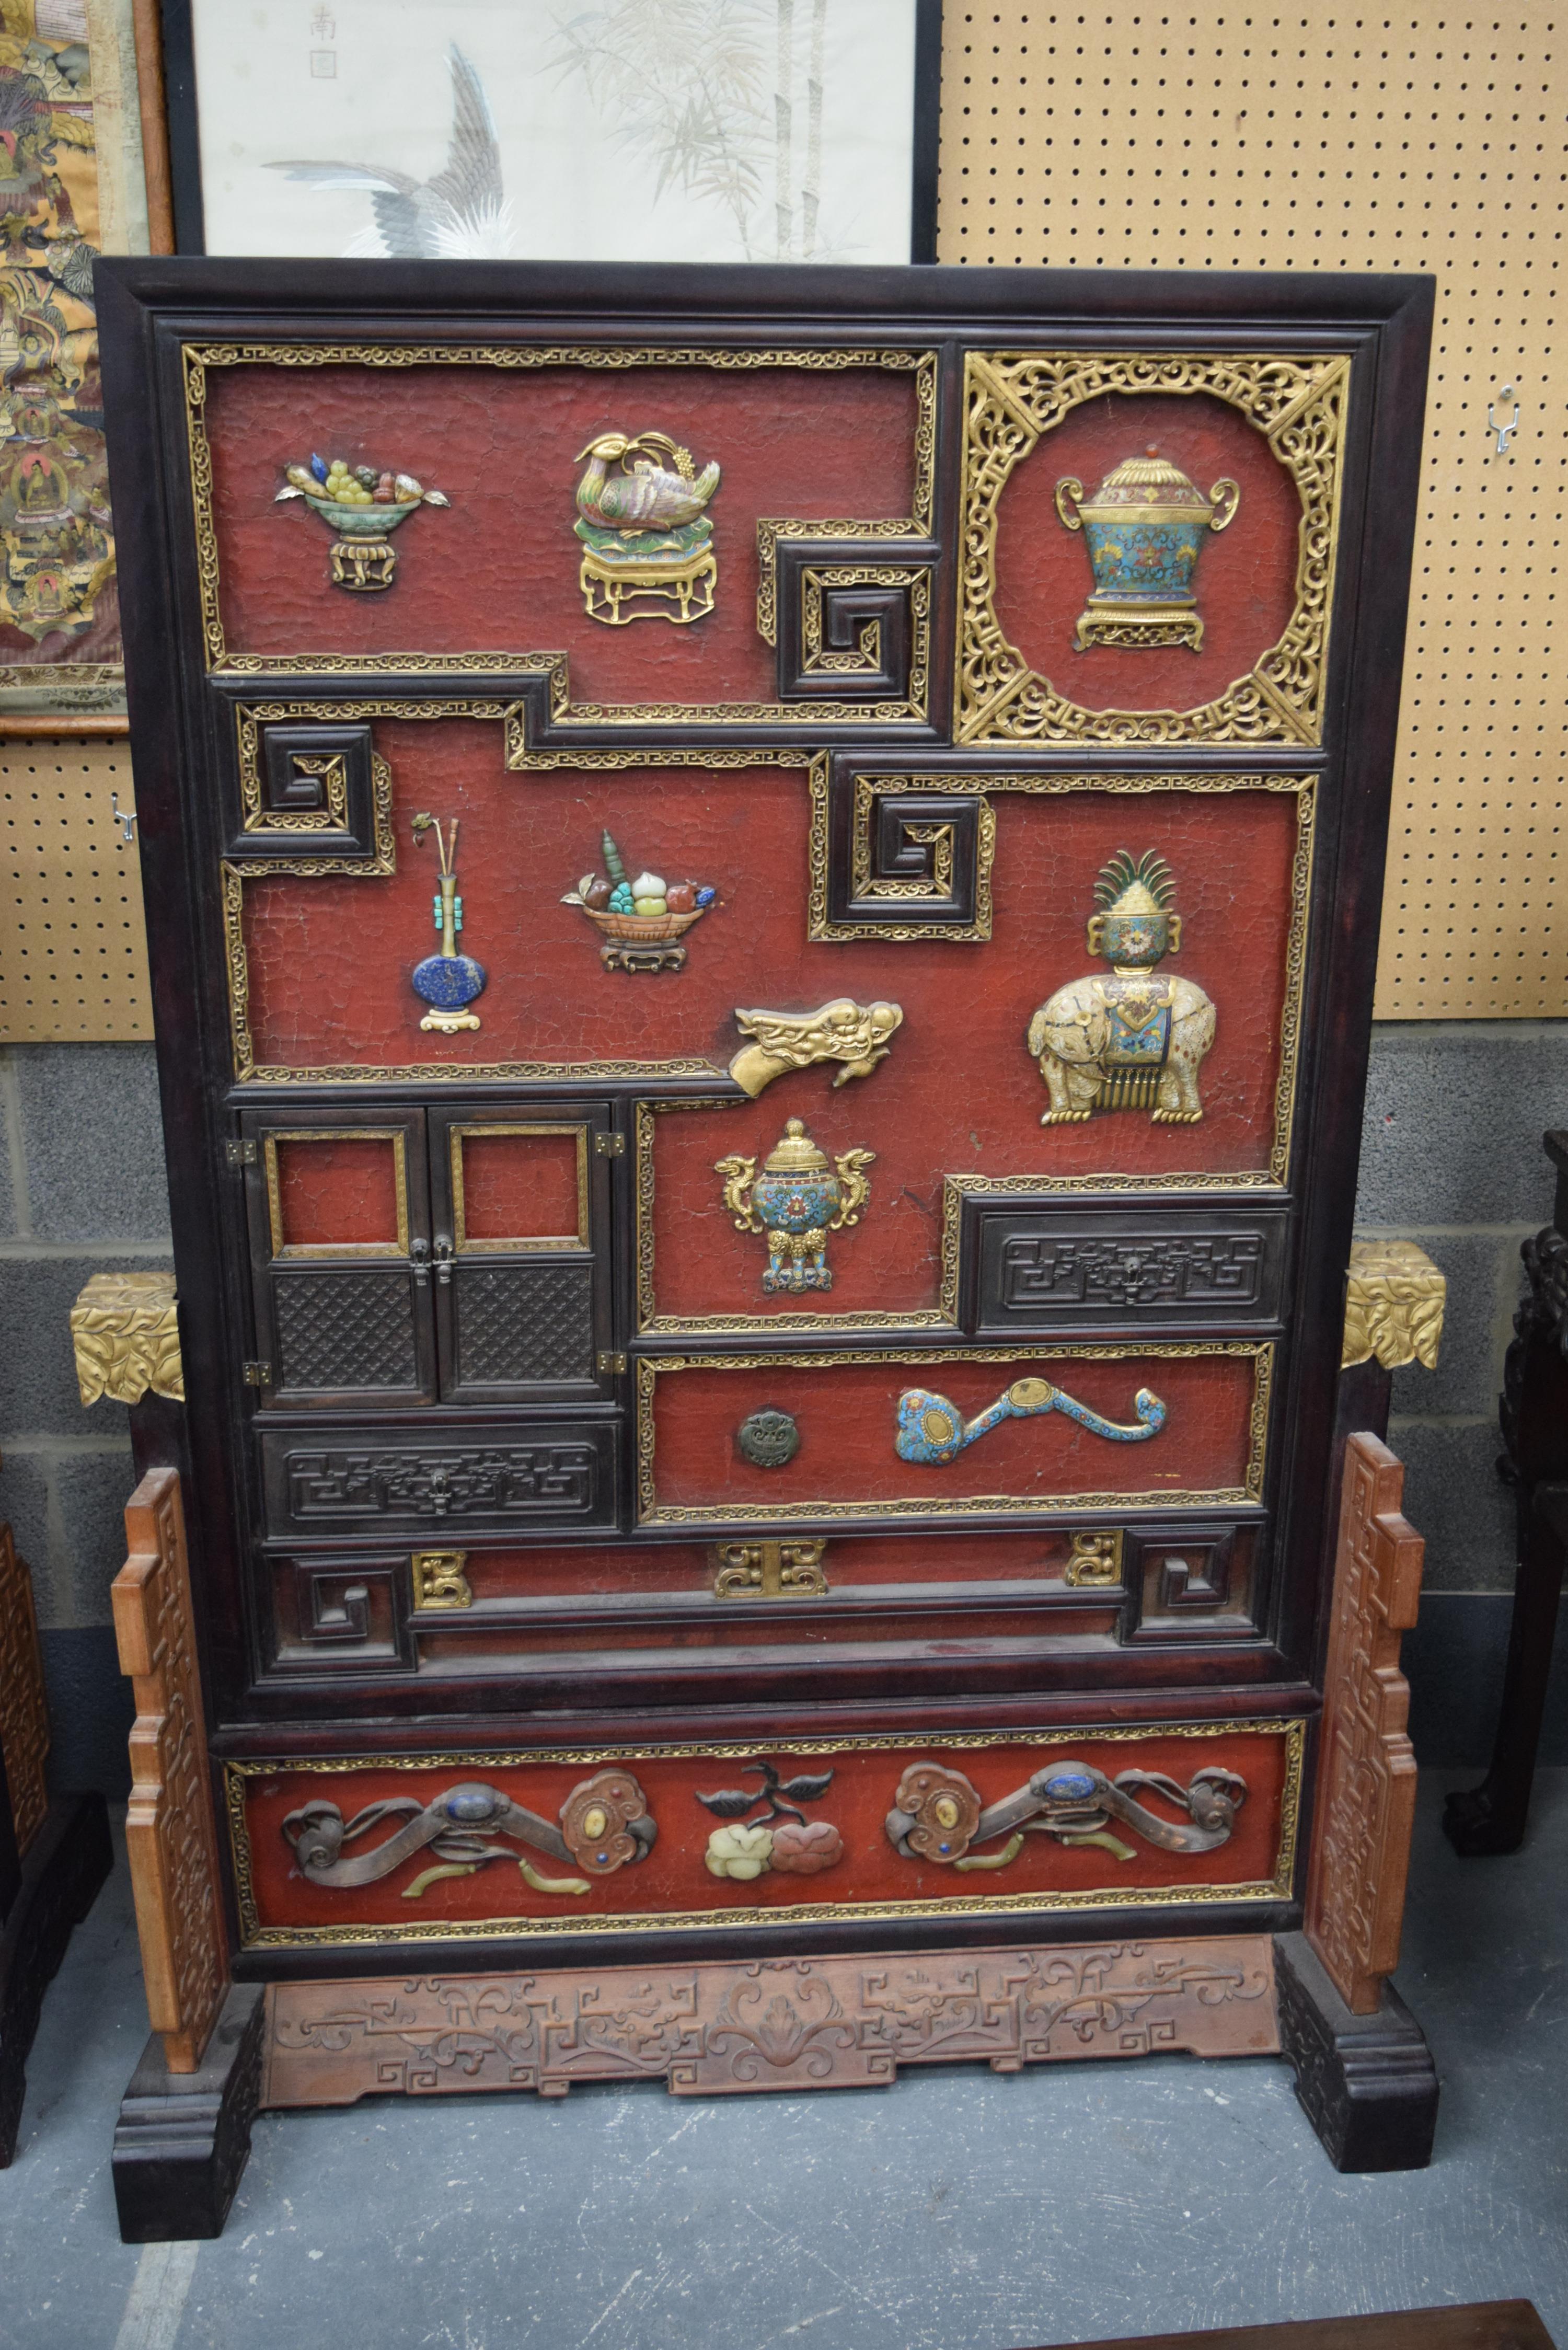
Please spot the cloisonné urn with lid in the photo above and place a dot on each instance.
(1145, 528)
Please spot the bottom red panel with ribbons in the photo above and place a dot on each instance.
(447, 1847)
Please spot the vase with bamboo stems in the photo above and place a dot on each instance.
(448, 981)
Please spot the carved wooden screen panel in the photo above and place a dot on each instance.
(1108, 136)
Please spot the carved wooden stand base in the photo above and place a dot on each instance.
(66, 1863)
(722, 2026)
(1367, 2083)
(182, 2138)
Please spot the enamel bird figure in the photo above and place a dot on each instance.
(644, 496)
(460, 214)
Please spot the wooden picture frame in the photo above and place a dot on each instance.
(753, 183)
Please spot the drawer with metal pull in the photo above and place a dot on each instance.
(960, 1433)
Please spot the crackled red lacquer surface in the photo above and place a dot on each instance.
(337, 1194)
(1245, 579)
(673, 1877)
(329, 963)
(519, 1186)
(848, 1419)
(497, 569)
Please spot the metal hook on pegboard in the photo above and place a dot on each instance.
(1505, 432)
(124, 817)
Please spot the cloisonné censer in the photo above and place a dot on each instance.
(797, 1199)
(1144, 526)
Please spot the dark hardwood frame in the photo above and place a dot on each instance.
(181, 148)
(181, 721)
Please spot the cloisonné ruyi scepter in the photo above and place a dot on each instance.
(933, 1431)
(448, 981)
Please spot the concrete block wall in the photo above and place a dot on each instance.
(1450, 1157)
(82, 1191)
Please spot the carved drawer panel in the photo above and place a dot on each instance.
(1056, 1265)
(464, 1846)
(865, 1434)
(334, 1482)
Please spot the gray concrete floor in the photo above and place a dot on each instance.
(956, 2210)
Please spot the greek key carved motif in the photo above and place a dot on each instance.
(1183, 1270)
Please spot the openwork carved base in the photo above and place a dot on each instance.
(718, 2027)
(182, 2139)
(1367, 2083)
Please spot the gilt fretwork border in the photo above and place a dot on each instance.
(198, 358)
(981, 1902)
(1010, 401)
(928, 1505)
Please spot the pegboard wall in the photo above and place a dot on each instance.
(1325, 139)
(73, 945)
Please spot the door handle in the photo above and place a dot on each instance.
(419, 1258)
(442, 1253)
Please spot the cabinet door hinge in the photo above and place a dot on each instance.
(610, 1146)
(239, 1154)
(610, 1362)
(258, 1374)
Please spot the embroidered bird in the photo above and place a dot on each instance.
(646, 497)
(460, 215)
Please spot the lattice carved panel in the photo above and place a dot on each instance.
(170, 1838)
(1107, 135)
(1366, 1770)
(526, 1325)
(341, 1330)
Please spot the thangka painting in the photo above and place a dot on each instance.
(70, 187)
(634, 130)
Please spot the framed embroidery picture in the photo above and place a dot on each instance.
(71, 187)
(656, 130)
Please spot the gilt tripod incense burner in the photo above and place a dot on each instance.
(797, 1199)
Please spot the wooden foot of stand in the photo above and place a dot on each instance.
(65, 1865)
(182, 2139)
(1367, 2083)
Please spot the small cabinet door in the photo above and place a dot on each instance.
(520, 1202)
(340, 1227)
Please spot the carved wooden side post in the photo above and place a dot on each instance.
(1363, 2070)
(53, 1855)
(184, 2131)
(170, 1836)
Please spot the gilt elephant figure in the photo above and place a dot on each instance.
(1093, 1057)
(1132, 1037)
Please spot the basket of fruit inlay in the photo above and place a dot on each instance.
(640, 923)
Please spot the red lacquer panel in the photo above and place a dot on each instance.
(521, 1185)
(497, 569)
(336, 1194)
(959, 1094)
(1245, 578)
(673, 1880)
(847, 1417)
